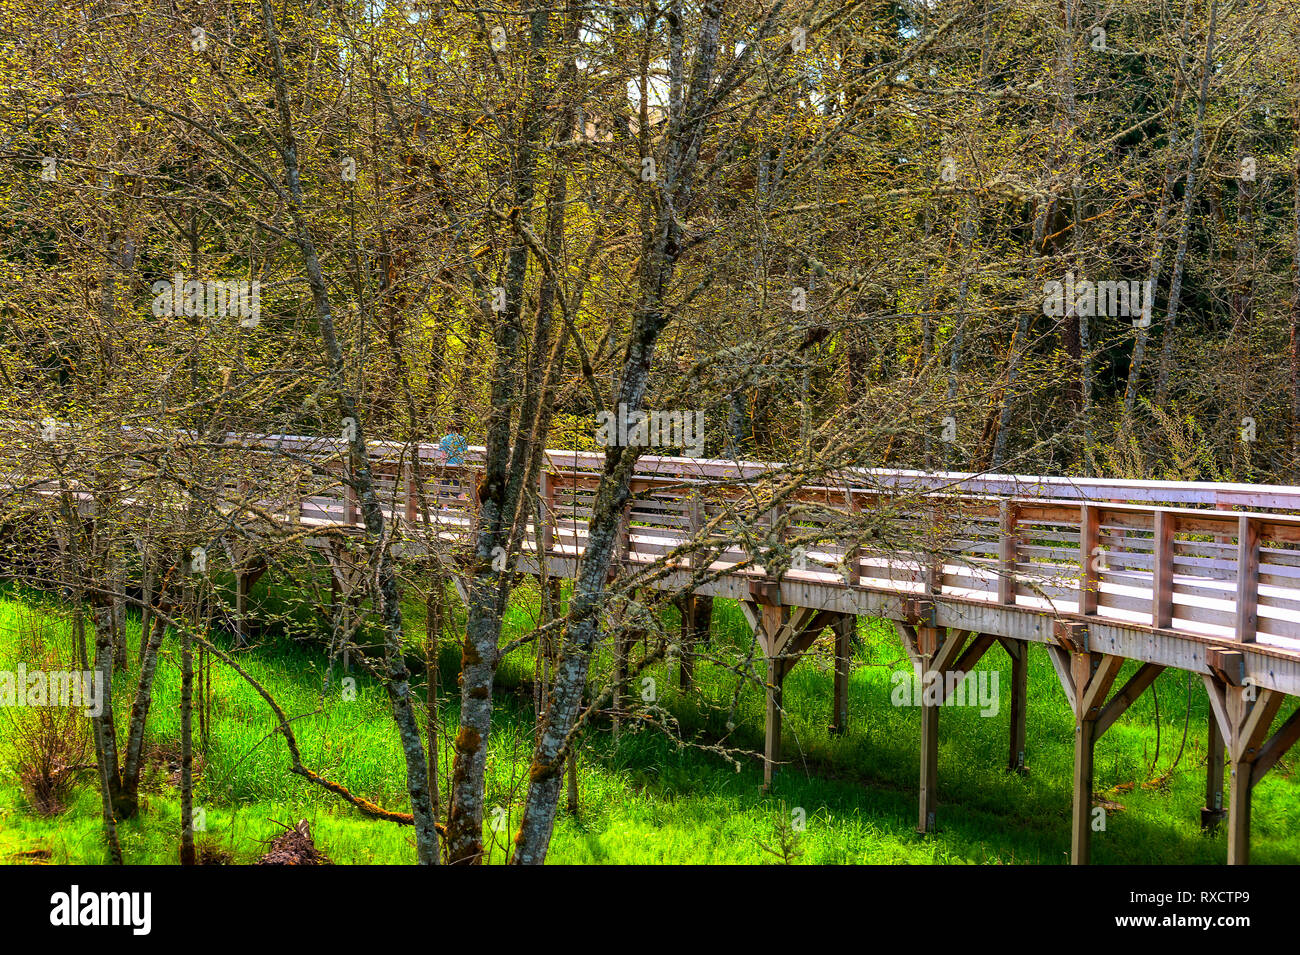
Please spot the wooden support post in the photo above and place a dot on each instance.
(1213, 812)
(351, 513)
(1239, 796)
(929, 766)
(1087, 678)
(1019, 654)
(695, 519)
(686, 639)
(772, 618)
(697, 615)
(928, 645)
(936, 657)
(772, 725)
(1007, 548)
(546, 495)
(1085, 741)
(241, 606)
(622, 540)
(845, 628)
(1162, 580)
(784, 635)
(623, 641)
(1245, 714)
(297, 495)
(1089, 575)
(1247, 579)
(933, 573)
(853, 552)
(146, 599)
(117, 609)
(412, 499)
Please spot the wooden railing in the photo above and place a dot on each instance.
(1168, 555)
(1061, 545)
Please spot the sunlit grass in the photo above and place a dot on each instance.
(646, 798)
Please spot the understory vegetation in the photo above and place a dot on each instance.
(644, 798)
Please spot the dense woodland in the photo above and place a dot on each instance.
(828, 227)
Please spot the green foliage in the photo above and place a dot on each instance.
(650, 799)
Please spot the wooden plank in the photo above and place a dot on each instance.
(1217, 693)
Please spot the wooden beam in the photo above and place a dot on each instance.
(907, 633)
(697, 617)
(1121, 701)
(1061, 663)
(1228, 665)
(1250, 713)
(1103, 673)
(765, 592)
(853, 550)
(974, 652)
(1213, 811)
(796, 627)
(623, 643)
(771, 620)
(1018, 652)
(1276, 747)
(845, 629)
(1217, 693)
(1253, 728)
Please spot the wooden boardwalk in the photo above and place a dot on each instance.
(1192, 576)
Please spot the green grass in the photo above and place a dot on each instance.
(645, 797)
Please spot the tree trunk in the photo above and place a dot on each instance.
(1180, 258)
(397, 675)
(582, 631)
(187, 748)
